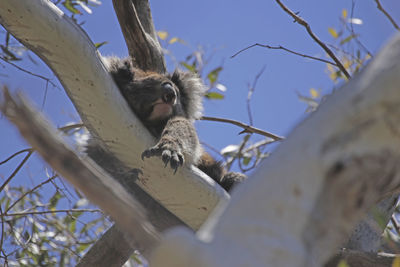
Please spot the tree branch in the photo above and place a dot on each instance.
(137, 26)
(287, 50)
(326, 183)
(379, 6)
(44, 29)
(16, 170)
(247, 128)
(315, 38)
(113, 249)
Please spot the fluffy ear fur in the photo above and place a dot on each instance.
(121, 70)
(192, 91)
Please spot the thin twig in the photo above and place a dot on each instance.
(2, 228)
(258, 145)
(347, 53)
(16, 170)
(351, 30)
(395, 224)
(50, 211)
(315, 38)
(379, 6)
(247, 128)
(239, 154)
(30, 191)
(16, 154)
(250, 94)
(279, 47)
(28, 72)
(96, 184)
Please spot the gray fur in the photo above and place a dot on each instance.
(168, 105)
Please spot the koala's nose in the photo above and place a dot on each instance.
(169, 94)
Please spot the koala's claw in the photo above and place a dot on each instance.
(150, 153)
(168, 155)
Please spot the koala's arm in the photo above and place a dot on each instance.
(178, 144)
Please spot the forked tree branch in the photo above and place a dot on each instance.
(246, 128)
(315, 38)
(189, 196)
(285, 49)
(326, 183)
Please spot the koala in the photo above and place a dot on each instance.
(167, 105)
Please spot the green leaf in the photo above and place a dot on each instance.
(333, 32)
(246, 160)
(344, 13)
(214, 95)
(72, 226)
(82, 247)
(54, 200)
(98, 45)
(162, 35)
(348, 39)
(71, 7)
(213, 75)
(191, 68)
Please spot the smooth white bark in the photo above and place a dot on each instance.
(68, 51)
(305, 199)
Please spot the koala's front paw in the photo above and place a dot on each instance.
(169, 152)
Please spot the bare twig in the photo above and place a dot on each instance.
(240, 153)
(395, 224)
(16, 170)
(315, 38)
(351, 29)
(347, 53)
(379, 6)
(30, 191)
(247, 128)
(49, 211)
(48, 80)
(279, 47)
(258, 144)
(250, 94)
(2, 229)
(16, 154)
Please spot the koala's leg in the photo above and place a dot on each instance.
(178, 144)
(230, 179)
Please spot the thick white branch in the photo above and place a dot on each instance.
(68, 51)
(304, 200)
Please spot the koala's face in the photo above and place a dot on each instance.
(153, 98)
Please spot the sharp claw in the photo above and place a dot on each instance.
(143, 155)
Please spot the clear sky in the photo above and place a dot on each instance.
(223, 28)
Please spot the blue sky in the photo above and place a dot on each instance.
(223, 28)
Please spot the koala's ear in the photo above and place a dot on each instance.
(121, 70)
(192, 91)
